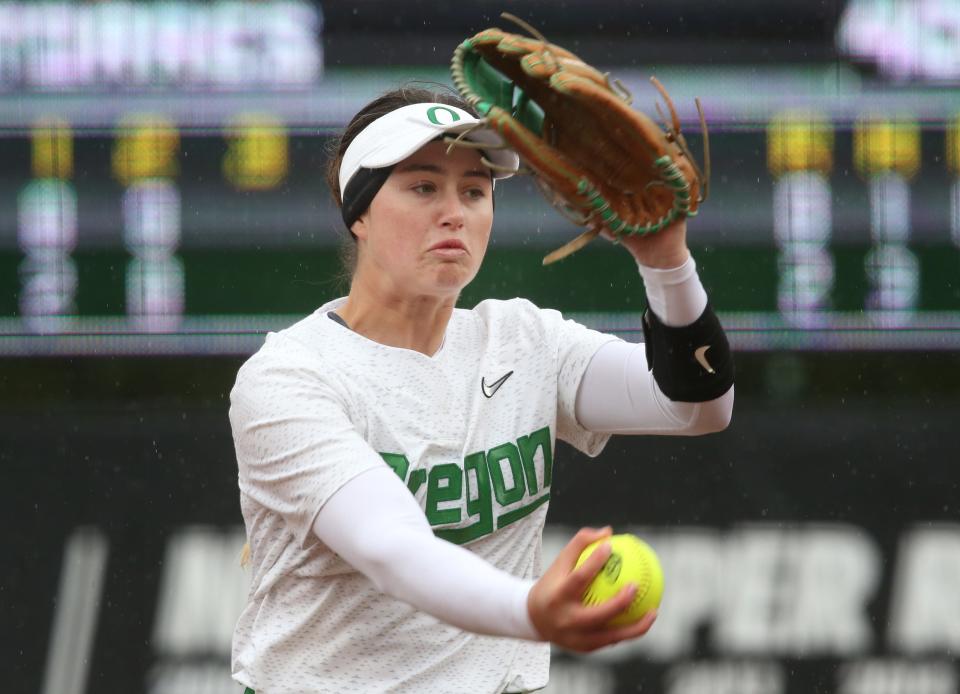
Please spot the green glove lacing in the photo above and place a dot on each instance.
(484, 87)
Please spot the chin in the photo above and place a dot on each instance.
(452, 278)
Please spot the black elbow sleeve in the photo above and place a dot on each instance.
(692, 363)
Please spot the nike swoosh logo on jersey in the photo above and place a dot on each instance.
(700, 354)
(489, 390)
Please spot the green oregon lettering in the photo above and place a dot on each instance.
(432, 115)
(506, 473)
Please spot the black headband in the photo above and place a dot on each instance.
(361, 189)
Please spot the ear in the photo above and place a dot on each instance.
(359, 228)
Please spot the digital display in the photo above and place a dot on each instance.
(831, 236)
(165, 193)
(57, 46)
(907, 40)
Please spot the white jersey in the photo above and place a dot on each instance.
(471, 431)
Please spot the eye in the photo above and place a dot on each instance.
(476, 193)
(423, 187)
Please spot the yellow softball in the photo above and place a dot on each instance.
(631, 560)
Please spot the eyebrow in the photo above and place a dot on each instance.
(433, 168)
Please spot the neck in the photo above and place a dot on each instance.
(412, 322)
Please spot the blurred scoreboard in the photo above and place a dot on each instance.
(136, 197)
(155, 236)
(184, 211)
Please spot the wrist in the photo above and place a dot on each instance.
(530, 629)
(663, 250)
(537, 632)
(663, 261)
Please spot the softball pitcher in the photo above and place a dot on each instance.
(396, 453)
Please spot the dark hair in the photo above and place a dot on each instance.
(390, 101)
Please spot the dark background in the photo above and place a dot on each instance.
(104, 432)
(140, 448)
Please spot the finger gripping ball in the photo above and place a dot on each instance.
(631, 560)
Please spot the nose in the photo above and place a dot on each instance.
(450, 210)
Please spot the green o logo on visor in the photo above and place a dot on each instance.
(432, 115)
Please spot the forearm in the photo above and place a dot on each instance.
(618, 395)
(676, 295)
(618, 392)
(375, 524)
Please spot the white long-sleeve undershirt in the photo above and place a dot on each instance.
(618, 394)
(392, 543)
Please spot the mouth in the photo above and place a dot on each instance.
(449, 247)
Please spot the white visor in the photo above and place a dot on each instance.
(394, 137)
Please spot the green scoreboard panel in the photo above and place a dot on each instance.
(136, 226)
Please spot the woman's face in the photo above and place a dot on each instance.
(427, 228)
